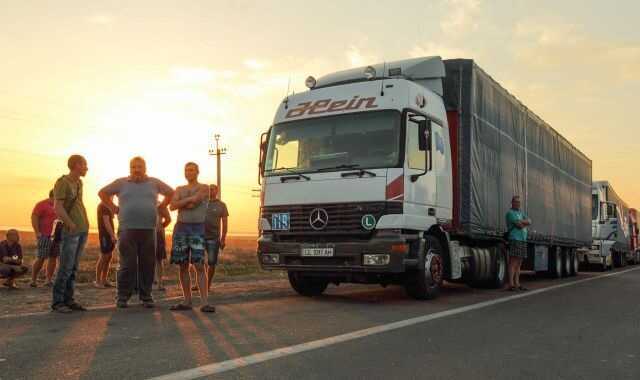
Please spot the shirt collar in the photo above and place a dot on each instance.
(143, 179)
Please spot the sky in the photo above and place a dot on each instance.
(114, 79)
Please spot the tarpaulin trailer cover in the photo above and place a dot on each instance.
(504, 149)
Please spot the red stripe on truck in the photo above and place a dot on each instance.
(395, 189)
(454, 124)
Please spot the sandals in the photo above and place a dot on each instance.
(181, 307)
(207, 309)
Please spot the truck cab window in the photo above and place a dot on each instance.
(416, 157)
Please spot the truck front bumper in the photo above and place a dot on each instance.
(347, 256)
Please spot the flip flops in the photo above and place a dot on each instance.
(181, 307)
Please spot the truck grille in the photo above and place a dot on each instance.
(344, 220)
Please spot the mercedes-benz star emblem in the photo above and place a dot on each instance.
(318, 219)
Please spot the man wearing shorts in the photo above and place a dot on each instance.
(108, 239)
(188, 236)
(517, 223)
(11, 259)
(43, 217)
(215, 231)
(164, 219)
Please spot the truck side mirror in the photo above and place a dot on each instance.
(264, 141)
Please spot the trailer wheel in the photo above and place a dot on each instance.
(555, 263)
(617, 259)
(425, 282)
(603, 264)
(567, 271)
(499, 267)
(575, 267)
(307, 286)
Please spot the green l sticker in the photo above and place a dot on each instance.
(368, 222)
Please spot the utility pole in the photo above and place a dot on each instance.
(218, 152)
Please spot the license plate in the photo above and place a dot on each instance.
(317, 252)
(280, 221)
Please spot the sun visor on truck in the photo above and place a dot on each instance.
(426, 71)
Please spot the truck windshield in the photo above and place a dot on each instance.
(363, 140)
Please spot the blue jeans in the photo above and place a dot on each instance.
(71, 249)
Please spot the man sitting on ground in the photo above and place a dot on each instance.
(11, 259)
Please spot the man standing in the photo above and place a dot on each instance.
(11, 259)
(43, 217)
(164, 219)
(517, 223)
(107, 238)
(137, 217)
(188, 236)
(216, 220)
(69, 208)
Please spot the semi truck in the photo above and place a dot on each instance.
(402, 173)
(634, 234)
(611, 228)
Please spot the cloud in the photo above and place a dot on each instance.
(199, 75)
(356, 58)
(253, 64)
(101, 19)
(433, 48)
(462, 18)
(553, 45)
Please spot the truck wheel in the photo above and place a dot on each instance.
(555, 263)
(307, 286)
(425, 282)
(617, 259)
(498, 267)
(603, 265)
(575, 267)
(567, 263)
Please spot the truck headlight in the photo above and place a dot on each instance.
(376, 259)
(271, 258)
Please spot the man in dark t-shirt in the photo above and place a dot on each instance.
(215, 230)
(107, 237)
(11, 259)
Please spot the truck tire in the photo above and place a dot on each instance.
(489, 267)
(555, 263)
(603, 264)
(566, 266)
(307, 286)
(617, 259)
(499, 267)
(575, 266)
(424, 283)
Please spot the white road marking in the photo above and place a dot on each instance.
(245, 361)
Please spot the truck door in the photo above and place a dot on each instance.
(420, 191)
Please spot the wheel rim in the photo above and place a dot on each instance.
(502, 267)
(433, 268)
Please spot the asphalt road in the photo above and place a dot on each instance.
(586, 328)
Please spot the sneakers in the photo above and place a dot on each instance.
(149, 304)
(76, 307)
(121, 304)
(62, 309)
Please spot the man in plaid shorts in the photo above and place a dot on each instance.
(42, 219)
(517, 223)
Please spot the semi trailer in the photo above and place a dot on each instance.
(634, 234)
(611, 228)
(402, 173)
